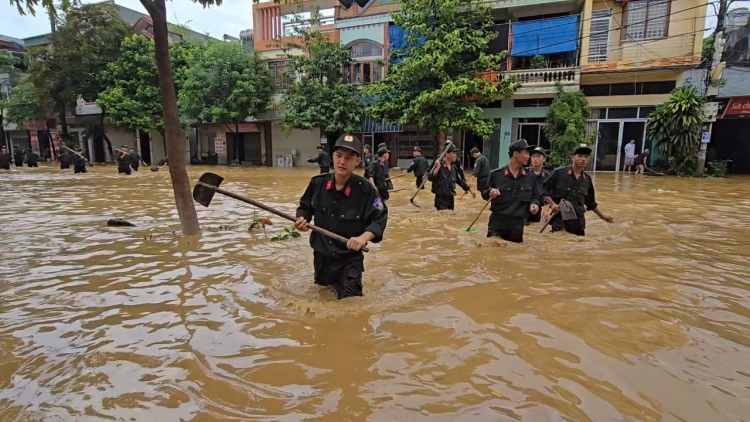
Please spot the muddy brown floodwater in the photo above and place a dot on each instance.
(645, 320)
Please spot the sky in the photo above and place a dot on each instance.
(230, 18)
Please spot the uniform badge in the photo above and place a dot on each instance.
(378, 204)
(349, 138)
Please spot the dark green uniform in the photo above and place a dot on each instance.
(79, 164)
(18, 157)
(508, 211)
(4, 159)
(379, 172)
(123, 163)
(135, 160)
(66, 159)
(348, 212)
(540, 178)
(562, 184)
(32, 158)
(482, 172)
(367, 164)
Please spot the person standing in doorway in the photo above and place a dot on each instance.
(347, 205)
(4, 158)
(629, 156)
(123, 161)
(481, 169)
(18, 156)
(538, 158)
(323, 160)
(514, 194)
(135, 159)
(419, 166)
(574, 185)
(444, 177)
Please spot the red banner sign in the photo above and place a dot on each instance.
(35, 141)
(738, 107)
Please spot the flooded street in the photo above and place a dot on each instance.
(644, 320)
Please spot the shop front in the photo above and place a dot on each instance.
(616, 127)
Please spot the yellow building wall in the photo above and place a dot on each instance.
(680, 47)
(630, 77)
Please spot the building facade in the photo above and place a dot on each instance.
(626, 56)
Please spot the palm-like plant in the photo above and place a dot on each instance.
(676, 125)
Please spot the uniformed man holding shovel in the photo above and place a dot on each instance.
(575, 187)
(346, 204)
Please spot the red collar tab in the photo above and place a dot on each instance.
(381, 164)
(348, 191)
(505, 173)
(543, 174)
(329, 185)
(523, 172)
(583, 175)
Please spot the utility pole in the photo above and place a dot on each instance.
(713, 74)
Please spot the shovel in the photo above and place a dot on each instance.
(569, 217)
(87, 160)
(209, 183)
(445, 151)
(469, 229)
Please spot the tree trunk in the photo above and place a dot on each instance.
(105, 137)
(164, 138)
(237, 142)
(64, 124)
(175, 145)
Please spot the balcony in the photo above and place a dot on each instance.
(543, 81)
(677, 50)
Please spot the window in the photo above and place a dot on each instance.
(366, 49)
(363, 73)
(599, 39)
(646, 19)
(278, 71)
(208, 143)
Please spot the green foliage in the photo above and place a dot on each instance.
(538, 62)
(436, 86)
(719, 168)
(227, 84)
(676, 125)
(566, 125)
(289, 233)
(23, 107)
(132, 98)
(708, 47)
(320, 97)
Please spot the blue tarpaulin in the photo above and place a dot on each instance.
(397, 40)
(547, 36)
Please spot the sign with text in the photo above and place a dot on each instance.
(35, 141)
(706, 138)
(218, 145)
(738, 107)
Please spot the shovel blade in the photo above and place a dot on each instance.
(567, 211)
(203, 191)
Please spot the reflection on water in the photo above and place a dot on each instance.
(648, 319)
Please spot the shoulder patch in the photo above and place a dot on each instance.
(378, 204)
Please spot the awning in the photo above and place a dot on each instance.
(369, 126)
(546, 36)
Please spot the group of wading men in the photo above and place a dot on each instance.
(354, 206)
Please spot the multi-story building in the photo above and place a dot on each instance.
(626, 56)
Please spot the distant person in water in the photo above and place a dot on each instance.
(323, 160)
(135, 159)
(4, 159)
(641, 162)
(79, 163)
(65, 158)
(18, 156)
(123, 161)
(32, 158)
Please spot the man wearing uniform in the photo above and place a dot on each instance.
(4, 159)
(66, 158)
(18, 156)
(379, 174)
(323, 160)
(79, 164)
(367, 160)
(419, 166)
(514, 192)
(538, 157)
(481, 169)
(32, 158)
(348, 205)
(574, 185)
(123, 161)
(135, 159)
(444, 177)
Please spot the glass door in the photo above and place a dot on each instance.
(608, 146)
(632, 131)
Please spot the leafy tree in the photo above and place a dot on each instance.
(320, 97)
(437, 86)
(566, 125)
(538, 62)
(676, 126)
(131, 97)
(708, 47)
(10, 65)
(226, 85)
(71, 66)
(23, 107)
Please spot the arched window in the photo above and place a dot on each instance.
(365, 49)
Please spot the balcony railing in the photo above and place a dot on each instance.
(544, 77)
(675, 47)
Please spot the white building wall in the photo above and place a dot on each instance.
(300, 144)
